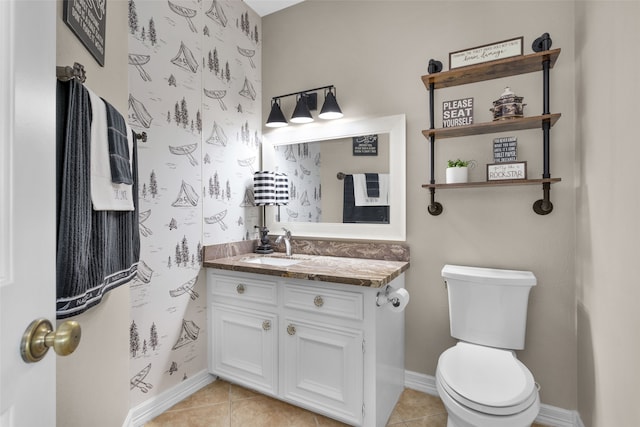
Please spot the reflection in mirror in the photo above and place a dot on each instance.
(322, 174)
(314, 156)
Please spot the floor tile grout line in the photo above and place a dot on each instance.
(423, 417)
(194, 407)
(230, 404)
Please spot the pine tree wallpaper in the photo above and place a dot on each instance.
(302, 164)
(194, 88)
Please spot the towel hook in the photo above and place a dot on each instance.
(68, 73)
(141, 136)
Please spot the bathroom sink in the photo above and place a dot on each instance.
(277, 262)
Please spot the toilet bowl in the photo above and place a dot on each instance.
(480, 380)
(486, 387)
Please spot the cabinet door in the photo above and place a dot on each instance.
(323, 368)
(245, 347)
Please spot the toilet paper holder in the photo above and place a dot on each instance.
(382, 297)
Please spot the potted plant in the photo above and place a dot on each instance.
(457, 171)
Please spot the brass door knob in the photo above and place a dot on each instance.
(40, 336)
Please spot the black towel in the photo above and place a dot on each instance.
(361, 214)
(373, 186)
(97, 251)
(119, 157)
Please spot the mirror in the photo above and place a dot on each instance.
(313, 154)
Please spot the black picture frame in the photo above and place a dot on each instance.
(87, 19)
(507, 171)
(486, 53)
(365, 145)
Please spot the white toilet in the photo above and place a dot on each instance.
(480, 380)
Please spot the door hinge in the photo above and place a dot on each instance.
(363, 345)
(363, 411)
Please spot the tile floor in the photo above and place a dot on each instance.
(222, 404)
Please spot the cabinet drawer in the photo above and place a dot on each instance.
(314, 299)
(244, 289)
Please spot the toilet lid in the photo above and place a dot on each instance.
(487, 379)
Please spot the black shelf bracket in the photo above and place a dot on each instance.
(544, 205)
(434, 208)
(434, 66)
(542, 43)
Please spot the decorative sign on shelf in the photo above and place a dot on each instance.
(366, 145)
(458, 112)
(504, 171)
(485, 53)
(505, 149)
(88, 21)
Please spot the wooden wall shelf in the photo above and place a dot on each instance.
(533, 122)
(492, 70)
(501, 183)
(543, 60)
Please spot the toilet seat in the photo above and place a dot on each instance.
(485, 379)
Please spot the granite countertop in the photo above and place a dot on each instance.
(351, 271)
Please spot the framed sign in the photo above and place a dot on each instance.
(366, 145)
(505, 149)
(504, 171)
(458, 112)
(88, 21)
(485, 53)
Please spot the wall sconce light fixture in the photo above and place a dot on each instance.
(306, 101)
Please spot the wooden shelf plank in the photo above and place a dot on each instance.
(501, 183)
(506, 125)
(491, 70)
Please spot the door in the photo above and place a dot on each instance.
(27, 206)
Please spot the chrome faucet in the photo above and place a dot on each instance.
(287, 241)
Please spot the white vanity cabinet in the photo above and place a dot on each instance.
(323, 346)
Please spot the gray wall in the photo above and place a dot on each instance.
(607, 89)
(100, 365)
(375, 53)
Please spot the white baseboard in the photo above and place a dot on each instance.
(156, 405)
(549, 415)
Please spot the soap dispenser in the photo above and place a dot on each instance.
(265, 245)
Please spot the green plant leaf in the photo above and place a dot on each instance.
(458, 163)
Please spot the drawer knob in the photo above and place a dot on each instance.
(318, 301)
(291, 330)
(240, 288)
(266, 325)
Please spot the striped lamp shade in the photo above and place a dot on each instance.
(264, 188)
(282, 189)
(270, 188)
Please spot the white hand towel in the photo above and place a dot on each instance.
(360, 190)
(105, 195)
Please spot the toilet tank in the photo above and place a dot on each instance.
(488, 306)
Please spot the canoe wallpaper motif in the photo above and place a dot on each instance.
(195, 89)
(301, 163)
